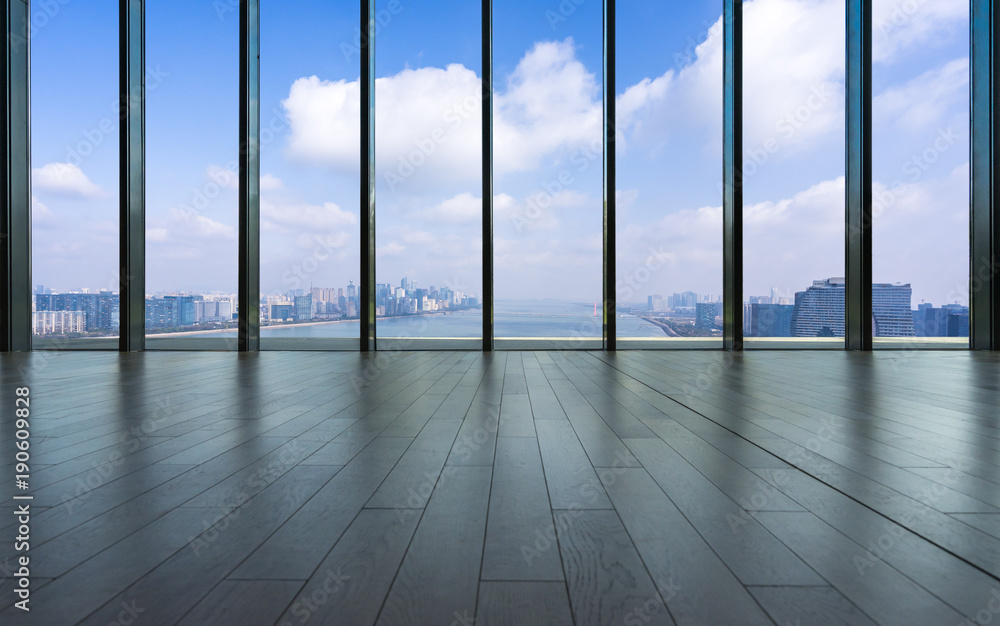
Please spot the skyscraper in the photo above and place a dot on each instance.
(303, 307)
(891, 316)
(770, 320)
(705, 315)
(100, 309)
(819, 311)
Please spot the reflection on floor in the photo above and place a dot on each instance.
(508, 488)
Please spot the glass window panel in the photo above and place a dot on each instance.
(74, 153)
(548, 217)
(669, 210)
(192, 122)
(310, 175)
(428, 174)
(793, 161)
(920, 162)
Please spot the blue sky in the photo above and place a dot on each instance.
(548, 80)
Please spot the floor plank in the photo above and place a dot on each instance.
(550, 487)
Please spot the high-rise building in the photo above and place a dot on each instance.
(58, 322)
(937, 322)
(213, 311)
(704, 316)
(303, 307)
(100, 309)
(819, 311)
(281, 311)
(172, 311)
(891, 316)
(958, 324)
(770, 320)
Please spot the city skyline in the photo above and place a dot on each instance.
(547, 99)
(816, 311)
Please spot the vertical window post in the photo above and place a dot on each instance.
(487, 300)
(15, 217)
(858, 296)
(132, 176)
(732, 176)
(367, 294)
(610, 252)
(984, 290)
(249, 193)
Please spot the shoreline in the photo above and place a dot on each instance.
(188, 333)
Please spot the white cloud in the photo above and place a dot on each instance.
(286, 217)
(793, 64)
(921, 235)
(899, 26)
(427, 125)
(182, 226)
(270, 182)
(224, 177)
(921, 103)
(64, 179)
(794, 67)
(390, 248)
(463, 208)
(419, 238)
(324, 117)
(41, 215)
(551, 103)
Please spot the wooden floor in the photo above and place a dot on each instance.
(453, 488)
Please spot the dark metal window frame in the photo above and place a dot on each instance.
(984, 276)
(858, 184)
(610, 178)
(487, 128)
(732, 176)
(15, 178)
(249, 178)
(132, 176)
